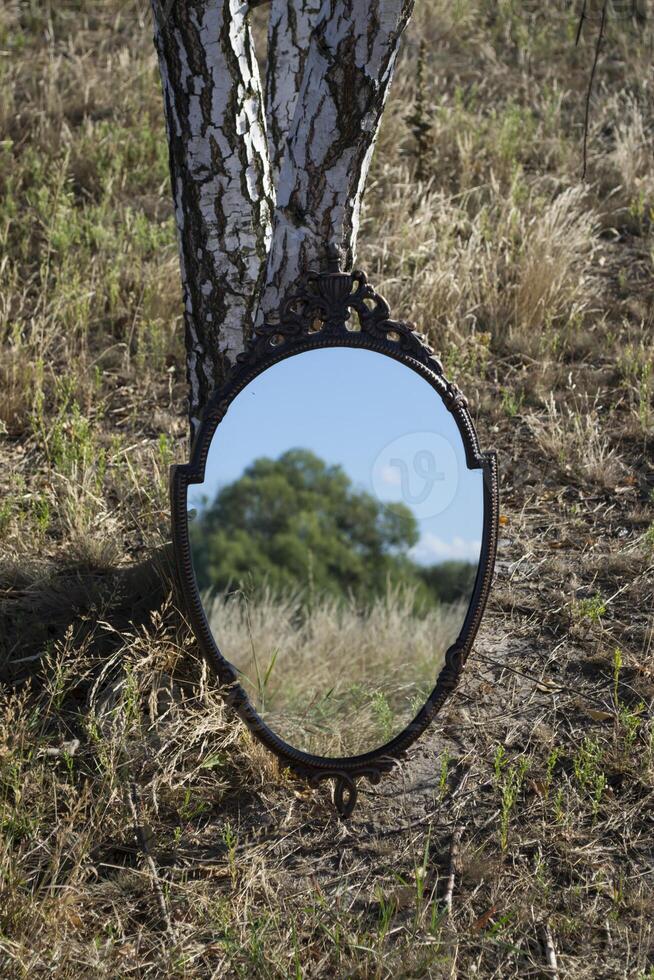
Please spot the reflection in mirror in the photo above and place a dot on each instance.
(335, 542)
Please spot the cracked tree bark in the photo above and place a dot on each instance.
(290, 26)
(330, 64)
(220, 178)
(345, 82)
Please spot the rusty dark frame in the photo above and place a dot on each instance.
(335, 309)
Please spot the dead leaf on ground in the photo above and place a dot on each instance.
(597, 714)
(484, 919)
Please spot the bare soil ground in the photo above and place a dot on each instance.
(143, 832)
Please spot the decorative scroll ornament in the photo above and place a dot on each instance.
(324, 304)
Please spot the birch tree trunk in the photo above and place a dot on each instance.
(220, 178)
(346, 79)
(330, 64)
(290, 26)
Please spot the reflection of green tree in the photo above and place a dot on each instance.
(298, 522)
(450, 580)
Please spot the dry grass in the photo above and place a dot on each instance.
(517, 268)
(143, 832)
(575, 440)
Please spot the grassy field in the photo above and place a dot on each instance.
(335, 679)
(143, 832)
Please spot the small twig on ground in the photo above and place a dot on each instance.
(600, 37)
(550, 951)
(457, 834)
(582, 18)
(559, 689)
(134, 805)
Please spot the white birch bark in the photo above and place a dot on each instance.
(346, 78)
(220, 178)
(290, 26)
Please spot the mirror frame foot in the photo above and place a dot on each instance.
(345, 795)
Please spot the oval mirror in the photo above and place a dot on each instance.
(336, 536)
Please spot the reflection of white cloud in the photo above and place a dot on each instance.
(432, 549)
(390, 476)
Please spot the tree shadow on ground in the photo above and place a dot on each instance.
(44, 606)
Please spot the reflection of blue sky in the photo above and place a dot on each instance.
(348, 406)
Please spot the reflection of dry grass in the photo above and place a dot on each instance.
(335, 680)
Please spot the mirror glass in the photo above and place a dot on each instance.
(335, 542)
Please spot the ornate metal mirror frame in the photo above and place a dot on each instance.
(320, 314)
